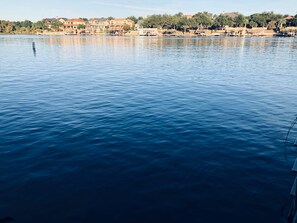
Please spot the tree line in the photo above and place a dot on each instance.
(27, 26)
(206, 20)
(179, 21)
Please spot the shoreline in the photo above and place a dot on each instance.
(158, 36)
(228, 32)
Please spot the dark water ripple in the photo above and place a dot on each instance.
(145, 129)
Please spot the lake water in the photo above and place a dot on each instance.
(120, 129)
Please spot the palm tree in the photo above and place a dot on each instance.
(280, 23)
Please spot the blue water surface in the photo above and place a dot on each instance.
(171, 130)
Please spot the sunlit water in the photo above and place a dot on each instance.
(114, 129)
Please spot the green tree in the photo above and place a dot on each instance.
(167, 21)
(252, 24)
(259, 19)
(223, 20)
(153, 21)
(240, 20)
(294, 21)
(39, 25)
(81, 26)
(18, 25)
(180, 14)
(56, 24)
(264, 18)
(26, 24)
(85, 19)
(7, 27)
(184, 24)
(203, 19)
(133, 18)
(280, 23)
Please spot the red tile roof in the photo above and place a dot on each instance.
(76, 20)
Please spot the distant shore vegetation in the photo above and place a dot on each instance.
(179, 21)
(206, 20)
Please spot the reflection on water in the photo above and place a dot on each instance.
(34, 49)
(120, 129)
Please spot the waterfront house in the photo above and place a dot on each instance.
(98, 25)
(188, 16)
(48, 22)
(62, 20)
(119, 26)
(73, 24)
(289, 18)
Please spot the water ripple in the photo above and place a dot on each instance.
(145, 129)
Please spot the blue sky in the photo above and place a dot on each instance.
(35, 9)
